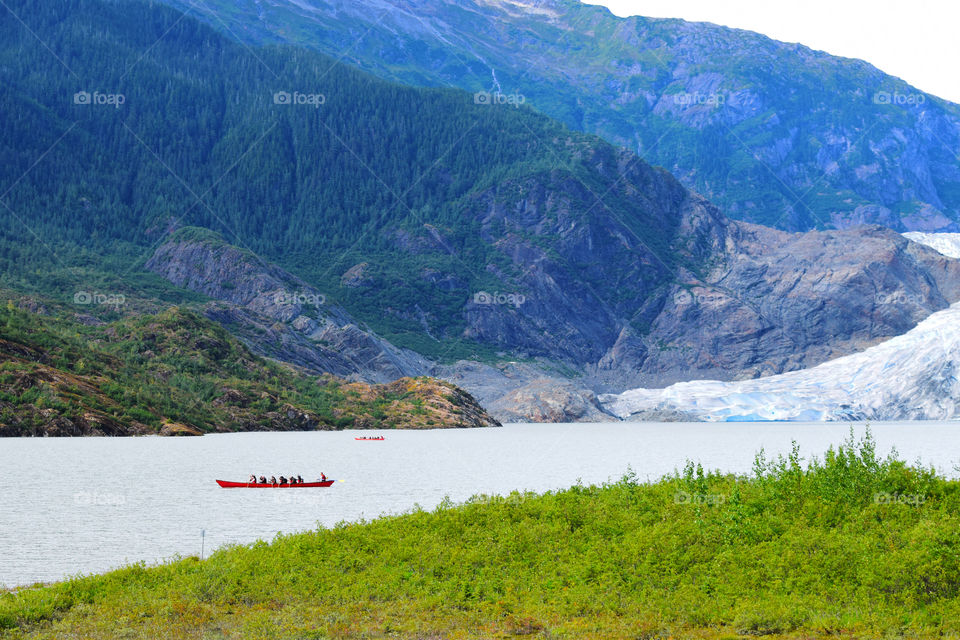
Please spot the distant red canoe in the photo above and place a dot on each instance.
(251, 485)
(380, 438)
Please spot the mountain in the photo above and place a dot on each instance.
(775, 301)
(773, 133)
(772, 301)
(910, 377)
(353, 226)
(176, 373)
(404, 203)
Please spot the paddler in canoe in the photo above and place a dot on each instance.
(284, 481)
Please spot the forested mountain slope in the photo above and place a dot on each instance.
(772, 132)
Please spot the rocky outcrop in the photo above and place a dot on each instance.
(50, 423)
(777, 302)
(356, 276)
(177, 429)
(550, 400)
(445, 403)
(38, 418)
(277, 314)
(525, 392)
(577, 269)
(705, 297)
(342, 350)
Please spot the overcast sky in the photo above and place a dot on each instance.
(916, 40)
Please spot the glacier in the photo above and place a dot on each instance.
(946, 243)
(913, 376)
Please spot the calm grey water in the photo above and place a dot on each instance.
(84, 505)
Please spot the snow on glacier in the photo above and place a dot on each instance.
(946, 243)
(909, 377)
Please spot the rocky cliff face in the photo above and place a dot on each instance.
(702, 297)
(550, 400)
(772, 132)
(600, 309)
(282, 317)
(278, 314)
(910, 377)
(572, 271)
(776, 302)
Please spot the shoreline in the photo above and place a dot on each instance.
(676, 556)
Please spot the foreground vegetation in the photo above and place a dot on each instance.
(850, 545)
(176, 372)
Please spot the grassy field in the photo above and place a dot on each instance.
(847, 545)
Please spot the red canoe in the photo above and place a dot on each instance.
(251, 485)
(380, 438)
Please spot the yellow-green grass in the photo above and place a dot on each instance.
(846, 546)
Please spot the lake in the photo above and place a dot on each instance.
(84, 505)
